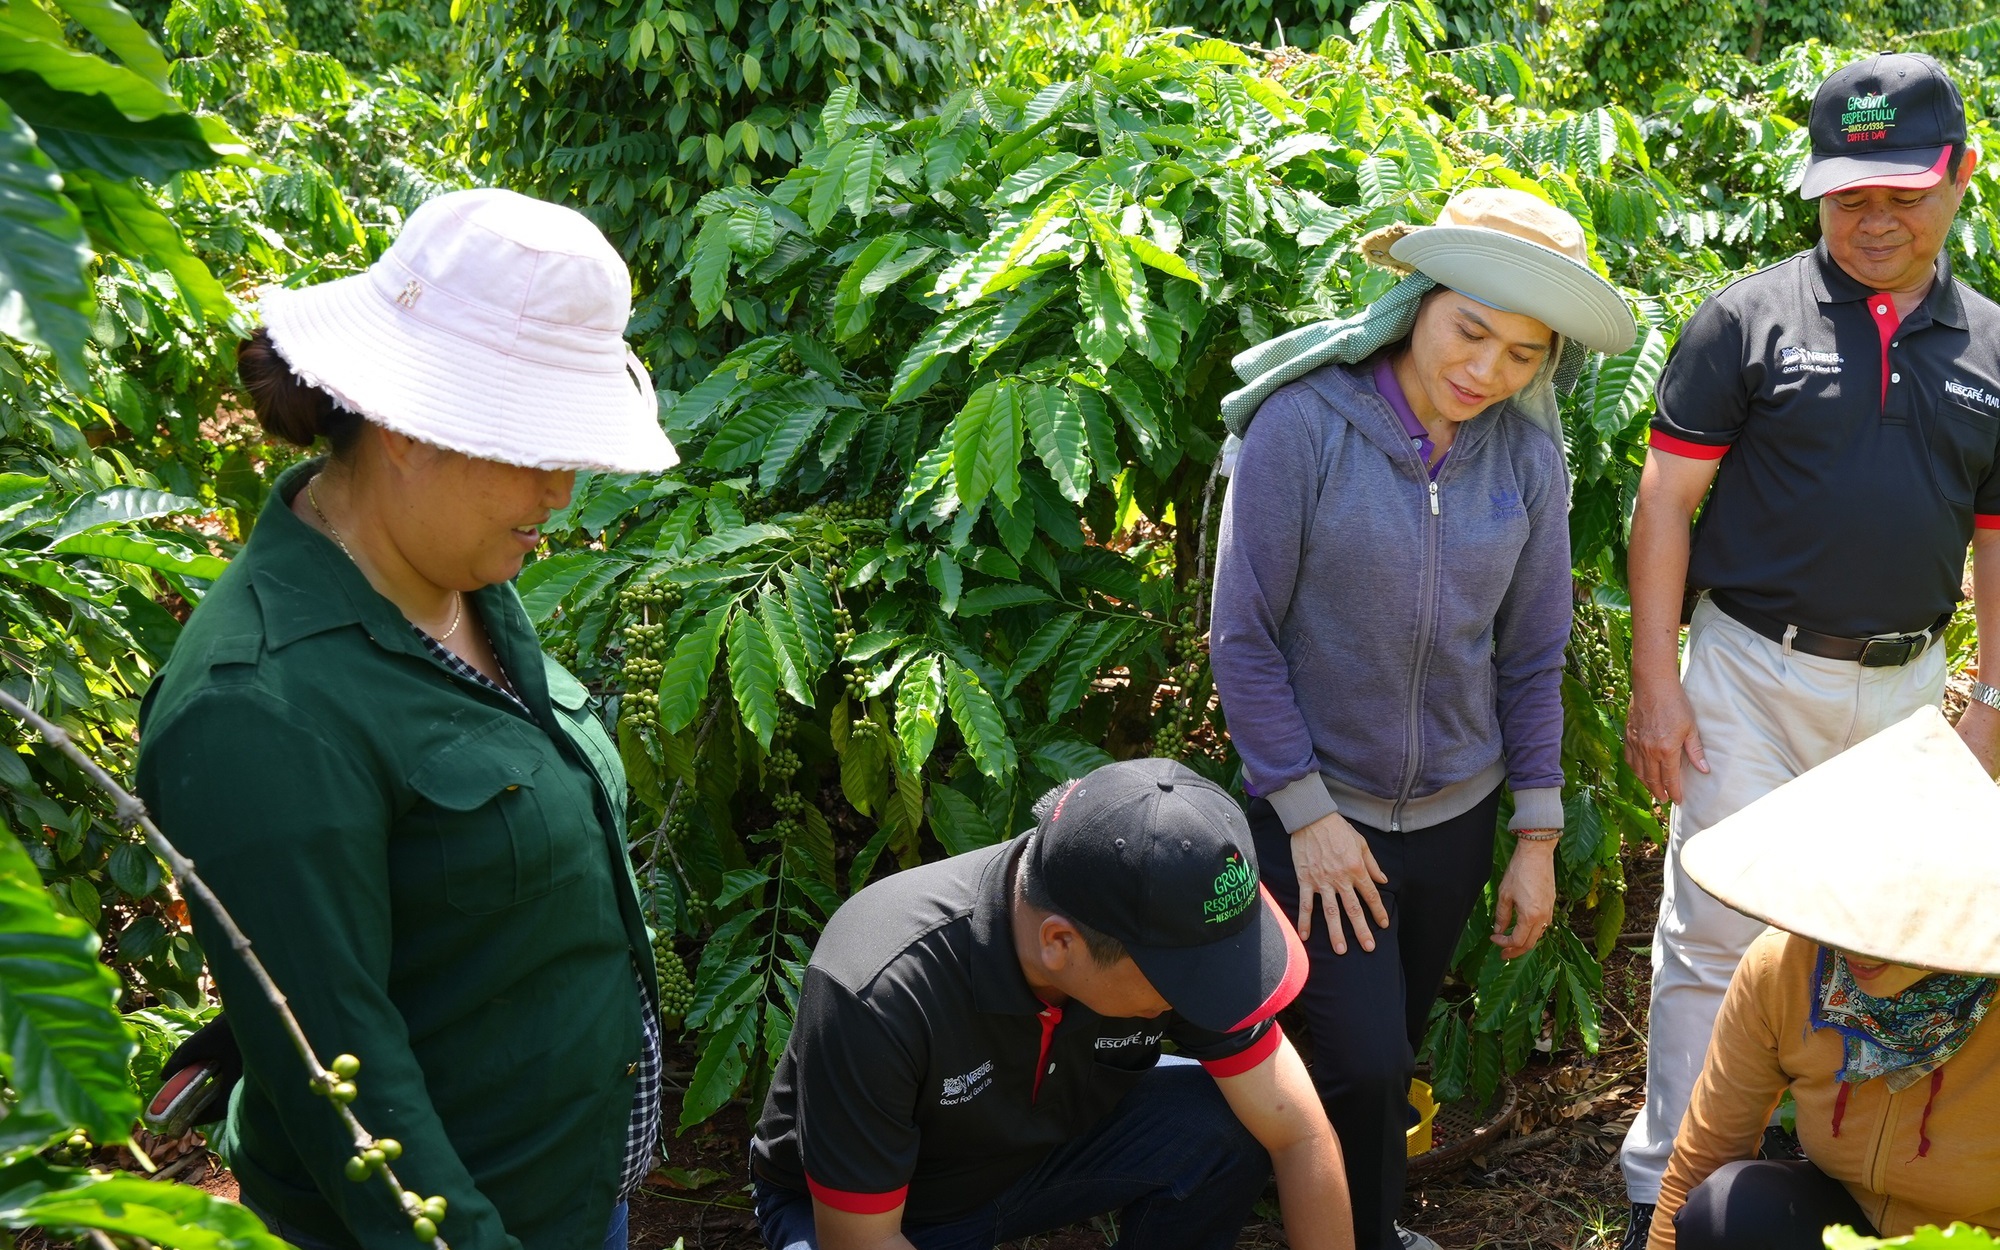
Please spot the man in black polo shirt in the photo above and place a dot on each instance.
(1845, 404)
(977, 1055)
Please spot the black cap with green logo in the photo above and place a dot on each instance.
(1884, 121)
(1153, 854)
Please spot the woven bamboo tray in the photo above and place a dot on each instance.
(1463, 1129)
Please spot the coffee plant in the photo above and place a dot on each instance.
(942, 302)
(940, 538)
(634, 109)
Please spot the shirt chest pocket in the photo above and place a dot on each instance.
(1963, 440)
(510, 820)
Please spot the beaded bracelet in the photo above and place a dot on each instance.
(1537, 835)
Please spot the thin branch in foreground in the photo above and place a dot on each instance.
(131, 813)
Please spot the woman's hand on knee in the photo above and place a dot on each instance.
(1335, 866)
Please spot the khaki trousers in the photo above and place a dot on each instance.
(1765, 716)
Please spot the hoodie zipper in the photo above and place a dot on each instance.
(1426, 615)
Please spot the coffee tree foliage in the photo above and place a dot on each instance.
(149, 187)
(152, 190)
(942, 536)
(942, 310)
(635, 109)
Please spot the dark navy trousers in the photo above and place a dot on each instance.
(1171, 1159)
(1366, 1011)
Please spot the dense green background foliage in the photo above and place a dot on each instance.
(941, 302)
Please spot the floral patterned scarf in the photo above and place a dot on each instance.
(1904, 1038)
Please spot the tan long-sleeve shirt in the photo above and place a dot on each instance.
(1764, 1044)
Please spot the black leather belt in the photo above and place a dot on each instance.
(1868, 652)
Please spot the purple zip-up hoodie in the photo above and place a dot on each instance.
(1388, 645)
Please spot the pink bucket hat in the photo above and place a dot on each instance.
(493, 326)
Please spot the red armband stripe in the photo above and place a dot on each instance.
(1660, 441)
(1242, 1061)
(858, 1204)
(1984, 521)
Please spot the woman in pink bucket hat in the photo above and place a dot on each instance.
(409, 808)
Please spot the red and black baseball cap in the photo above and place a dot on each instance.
(1885, 121)
(1154, 854)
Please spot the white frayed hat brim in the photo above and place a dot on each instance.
(1522, 277)
(1890, 851)
(420, 379)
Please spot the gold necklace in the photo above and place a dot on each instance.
(458, 614)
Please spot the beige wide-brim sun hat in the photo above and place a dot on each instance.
(1890, 850)
(494, 326)
(1515, 252)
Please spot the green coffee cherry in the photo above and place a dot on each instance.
(344, 1066)
(425, 1228)
(343, 1092)
(434, 1208)
(357, 1168)
(391, 1148)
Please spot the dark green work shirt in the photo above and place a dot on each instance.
(438, 883)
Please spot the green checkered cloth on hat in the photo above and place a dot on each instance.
(1351, 340)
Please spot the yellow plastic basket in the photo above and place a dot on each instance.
(1418, 1138)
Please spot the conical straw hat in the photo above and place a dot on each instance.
(1890, 851)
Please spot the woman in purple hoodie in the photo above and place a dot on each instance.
(1392, 601)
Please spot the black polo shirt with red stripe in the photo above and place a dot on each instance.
(922, 1070)
(1858, 451)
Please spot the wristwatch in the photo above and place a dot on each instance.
(1986, 694)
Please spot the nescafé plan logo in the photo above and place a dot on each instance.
(1867, 118)
(1235, 886)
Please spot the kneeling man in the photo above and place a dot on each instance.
(977, 1051)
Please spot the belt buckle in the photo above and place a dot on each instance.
(1891, 652)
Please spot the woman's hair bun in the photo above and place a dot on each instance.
(287, 406)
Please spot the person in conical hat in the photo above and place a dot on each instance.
(1392, 602)
(1868, 1000)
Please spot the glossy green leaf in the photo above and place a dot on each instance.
(118, 30)
(958, 822)
(1025, 183)
(947, 578)
(851, 304)
(80, 132)
(920, 702)
(708, 271)
(752, 231)
(788, 650)
(685, 676)
(1099, 432)
(32, 42)
(122, 217)
(811, 602)
(44, 297)
(143, 549)
(979, 722)
(753, 675)
(119, 504)
(62, 1043)
(829, 188)
(51, 574)
(178, 1217)
(864, 174)
(1040, 647)
(985, 600)
(1055, 427)
(720, 1070)
(986, 443)
(1102, 332)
